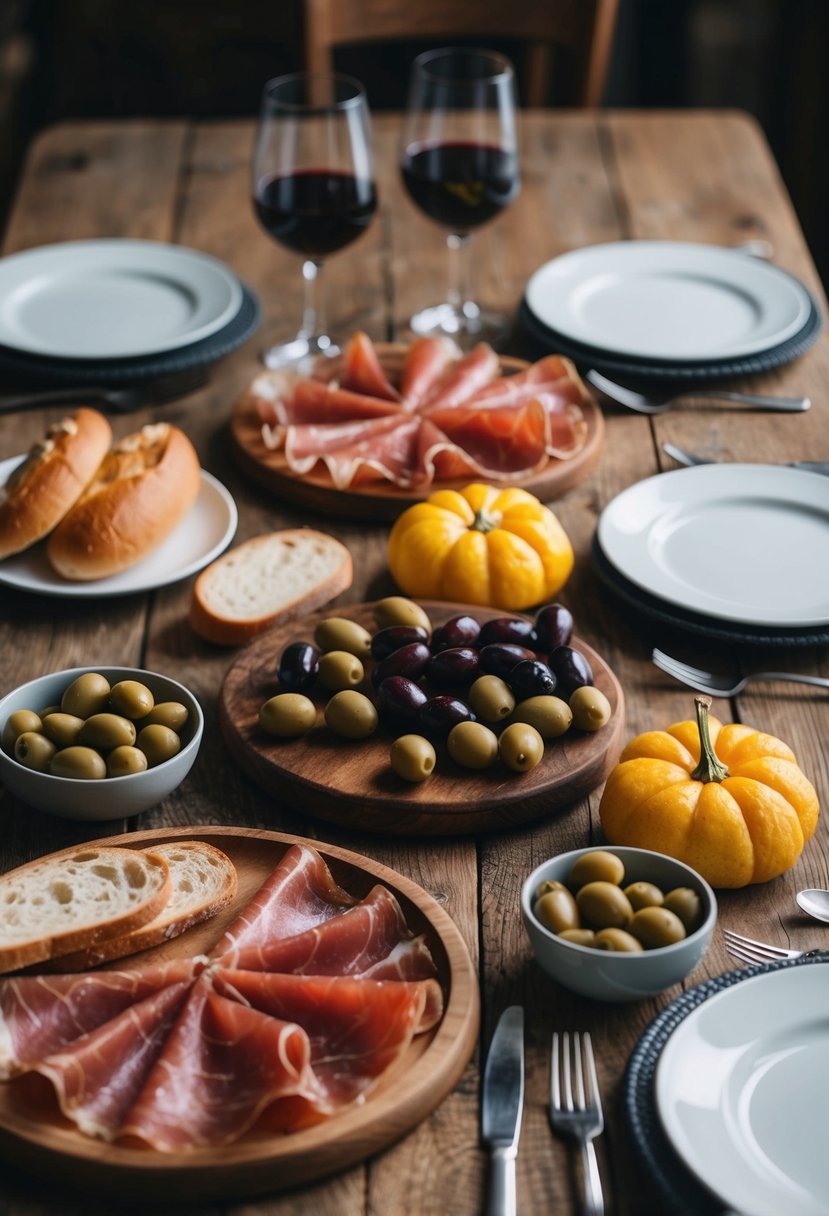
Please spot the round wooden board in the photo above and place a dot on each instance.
(352, 783)
(382, 500)
(38, 1137)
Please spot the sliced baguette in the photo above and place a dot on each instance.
(267, 580)
(74, 900)
(204, 882)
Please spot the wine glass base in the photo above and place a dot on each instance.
(466, 325)
(300, 353)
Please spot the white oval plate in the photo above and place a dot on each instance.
(741, 1092)
(739, 542)
(112, 299)
(665, 300)
(201, 536)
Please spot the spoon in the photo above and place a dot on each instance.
(814, 902)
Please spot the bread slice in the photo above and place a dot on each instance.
(204, 882)
(266, 580)
(71, 901)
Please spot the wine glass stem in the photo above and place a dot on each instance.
(458, 296)
(313, 311)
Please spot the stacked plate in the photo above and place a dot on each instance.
(735, 552)
(669, 311)
(118, 311)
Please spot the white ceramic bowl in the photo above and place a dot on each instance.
(110, 797)
(620, 977)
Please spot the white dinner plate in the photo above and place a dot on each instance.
(112, 299)
(738, 542)
(665, 300)
(741, 1091)
(202, 535)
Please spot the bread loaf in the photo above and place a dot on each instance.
(51, 479)
(268, 579)
(142, 490)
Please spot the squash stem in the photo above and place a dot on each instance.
(709, 767)
(483, 522)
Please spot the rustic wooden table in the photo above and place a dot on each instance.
(587, 178)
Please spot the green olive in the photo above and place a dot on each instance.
(338, 633)
(288, 715)
(657, 927)
(521, 747)
(491, 698)
(591, 708)
(351, 715)
(579, 937)
(18, 723)
(171, 714)
(557, 911)
(106, 731)
(123, 761)
(34, 750)
(158, 743)
(617, 941)
(549, 884)
(340, 669)
(397, 610)
(50, 709)
(63, 729)
(412, 757)
(472, 745)
(602, 905)
(131, 699)
(550, 716)
(644, 895)
(687, 905)
(87, 695)
(79, 762)
(596, 866)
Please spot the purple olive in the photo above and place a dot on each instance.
(394, 637)
(499, 658)
(299, 664)
(507, 629)
(531, 678)
(399, 698)
(459, 631)
(553, 626)
(408, 661)
(571, 670)
(438, 715)
(455, 668)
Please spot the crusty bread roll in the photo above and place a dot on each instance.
(51, 479)
(142, 490)
(268, 579)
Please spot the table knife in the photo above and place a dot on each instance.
(691, 459)
(503, 1102)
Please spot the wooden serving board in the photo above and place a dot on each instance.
(351, 783)
(382, 500)
(35, 1135)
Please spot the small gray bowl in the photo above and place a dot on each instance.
(110, 797)
(620, 977)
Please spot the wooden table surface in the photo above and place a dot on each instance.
(587, 178)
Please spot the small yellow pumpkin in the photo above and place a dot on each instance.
(738, 815)
(482, 545)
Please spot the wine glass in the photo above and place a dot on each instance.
(459, 163)
(313, 186)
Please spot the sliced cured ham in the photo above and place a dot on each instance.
(361, 370)
(426, 363)
(360, 451)
(463, 378)
(502, 442)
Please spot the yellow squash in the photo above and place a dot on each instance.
(482, 545)
(738, 815)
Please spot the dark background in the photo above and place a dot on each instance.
(209, 58)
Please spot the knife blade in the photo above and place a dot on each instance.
(691, 459)
(503, 1103)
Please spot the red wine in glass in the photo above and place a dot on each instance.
(460, 185)
(315, 211)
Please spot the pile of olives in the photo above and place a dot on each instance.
(456, 684)
(97, 731)
(594, 909)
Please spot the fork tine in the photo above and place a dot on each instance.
(579, 1071)
(555, 1085)
(675, 667)
(595, 1093)
(741, 940)
(568, 1086)
(746, 955)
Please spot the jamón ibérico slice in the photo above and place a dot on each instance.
(41, 1014)
(299, 894)
(371, 938)
(313, 401)
(553, 373)
(426, 363)
(222, 1065)
(357, 452)
(361, 370)
(463, 378)
(98, 1078)
(505, 441)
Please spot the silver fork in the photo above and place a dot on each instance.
(725, 686)
(121, 400)
(690, 459)
(576, 1107)
(643, 404)
(747, 950)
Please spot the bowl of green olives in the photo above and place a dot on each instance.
(98, 743)
(617, 924)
